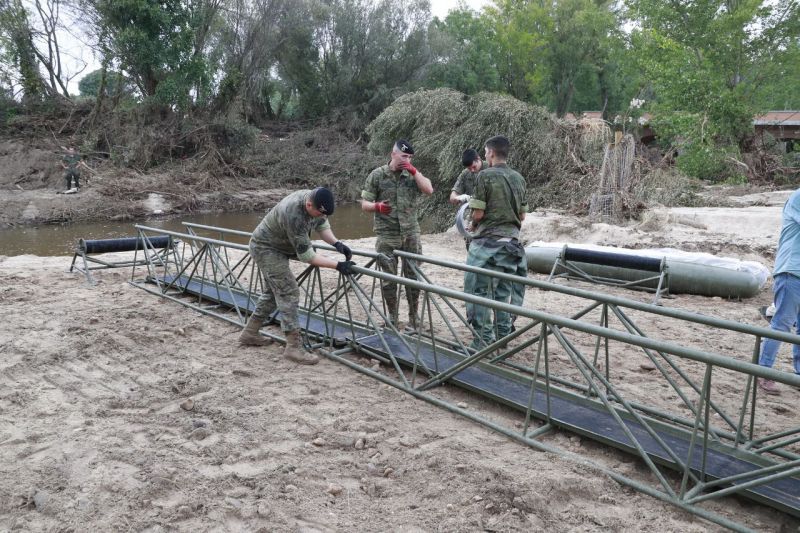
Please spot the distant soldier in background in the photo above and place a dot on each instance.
(391, 192)
(498, 209)
(465, 182)
(71, 163)
(284, 234)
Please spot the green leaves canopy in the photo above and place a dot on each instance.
(710, 65)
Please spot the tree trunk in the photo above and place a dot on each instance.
(101, 94)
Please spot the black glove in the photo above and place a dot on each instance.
(344, 267)
(343, 249)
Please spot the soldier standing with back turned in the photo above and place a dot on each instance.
(498, 209)
(391, 192)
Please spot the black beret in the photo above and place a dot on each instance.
(404, 146)
(322, 199)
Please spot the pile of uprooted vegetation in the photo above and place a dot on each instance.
(203, 163)
(228, 152)
(318, 155)
(561, 159)
(141, 148)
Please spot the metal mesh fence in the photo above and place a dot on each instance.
(615, 179)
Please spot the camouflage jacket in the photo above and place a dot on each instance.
(500, 192)
(401, 191)
(465, 182)
(71, 160)
(287, 227)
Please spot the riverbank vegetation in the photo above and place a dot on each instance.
(232, 94)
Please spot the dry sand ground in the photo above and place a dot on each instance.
(92, 435)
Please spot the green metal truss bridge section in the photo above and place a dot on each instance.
(554, 371)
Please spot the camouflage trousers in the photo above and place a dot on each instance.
(386, 245)
(280, 290)
(71, 174)
(507, 256)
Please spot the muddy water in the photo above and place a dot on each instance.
(349, 222)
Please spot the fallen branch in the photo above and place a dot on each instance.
(164, 193)
(739, 162)
(69, 118)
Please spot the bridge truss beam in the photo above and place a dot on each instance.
(564, 372)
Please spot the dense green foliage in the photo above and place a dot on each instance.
(153, 41)
(713, 65)
(702, 68)
(114, 82)
(18, 52)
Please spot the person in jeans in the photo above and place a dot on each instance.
(786, 289)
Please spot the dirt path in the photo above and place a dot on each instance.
(93, 435)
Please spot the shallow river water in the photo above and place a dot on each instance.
(348, 222)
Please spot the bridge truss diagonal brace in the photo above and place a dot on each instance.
(344, 318)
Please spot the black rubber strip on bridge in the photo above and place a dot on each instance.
(338, 331)
(565, 408)
(593, 422)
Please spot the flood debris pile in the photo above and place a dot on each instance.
(560, 158)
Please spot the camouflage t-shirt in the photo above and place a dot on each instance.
(71, 160)
(465, 182)
(287, 227)
(401, 191)
(500, 192)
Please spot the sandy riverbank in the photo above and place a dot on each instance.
(92, 435)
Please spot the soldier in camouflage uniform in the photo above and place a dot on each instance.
(465, 183)
(391, 192)
(284, 234)
(71, 165)
(498, 209)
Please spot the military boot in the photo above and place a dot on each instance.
(398, 324)
(390, 304)
(412, 296)
(412, 324)
(295, 352)
(250, 336)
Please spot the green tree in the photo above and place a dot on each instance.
(19, 51)
(464, 50)
(578, 46)
(364, 52)
(247, 44)
(154, 42)
(521, 30)
(90, 83)
(779, 90)
(707, 61)
(548, 51)
(609, 87)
